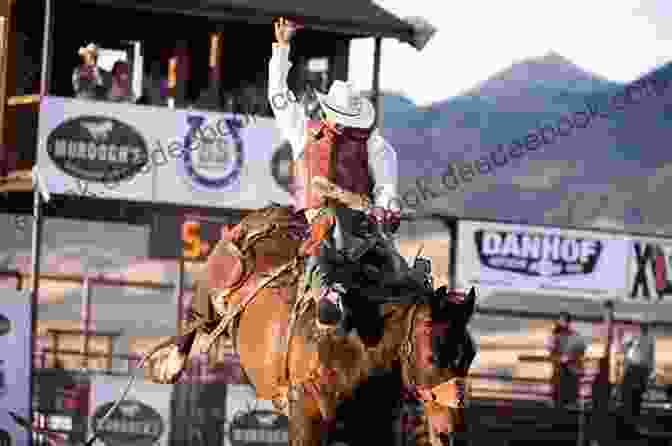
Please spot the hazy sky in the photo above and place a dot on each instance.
(618, 39)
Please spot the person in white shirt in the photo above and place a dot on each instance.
(338, 161)
(639, 366)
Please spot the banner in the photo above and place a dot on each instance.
(253, 422)
(15, 365)
(61, 405)
(157, 154)
(549, 261)
(142, 419)
(650, 271)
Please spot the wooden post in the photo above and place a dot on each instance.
(376, 80)
(215, 64)
(172, 81)
(4, 59)
(110, 355)
(179, 294)
(6, 80)
(86, 316)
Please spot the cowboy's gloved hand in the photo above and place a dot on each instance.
(389, 219)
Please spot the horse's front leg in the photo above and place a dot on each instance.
(445, 426)
(305, 418)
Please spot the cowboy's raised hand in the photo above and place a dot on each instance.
(284, 30)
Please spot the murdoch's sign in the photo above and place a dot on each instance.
(259, 428)
(132, 424)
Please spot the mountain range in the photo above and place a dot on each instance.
(565, 183)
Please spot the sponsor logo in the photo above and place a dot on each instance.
(97, 149)
(259, 427)
(281, 166)
(537, 254)
(652, 272)
(213, 157)
(5, 325)
(132, 423)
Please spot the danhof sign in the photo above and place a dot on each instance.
(132, 424)
(543, 260)
(537, 254)
(259, 428)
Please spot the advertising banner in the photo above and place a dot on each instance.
(157, 154)
(650, 271)
(548, 261)
(231, 162)
(15, 365)
(143, 419)
(253, 422)
(62, 405)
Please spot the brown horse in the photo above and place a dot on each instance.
(251, 290)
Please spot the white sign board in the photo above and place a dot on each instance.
(650, 271)
(548, 261)
(142, 418)
(250, 421)
(15, 365)
(156, 154)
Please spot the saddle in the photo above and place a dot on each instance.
(359, 256)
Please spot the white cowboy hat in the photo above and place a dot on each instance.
(90, 48)
(343, 106)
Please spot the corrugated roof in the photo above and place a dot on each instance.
(351, 17)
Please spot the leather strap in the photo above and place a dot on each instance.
(206, 341)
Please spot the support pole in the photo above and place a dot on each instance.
(376, 79)
(35, 279)
(47, 49)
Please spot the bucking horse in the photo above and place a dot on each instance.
(252, 290)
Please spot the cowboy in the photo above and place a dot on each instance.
(567, 348)
(88, 79)
(339, 155)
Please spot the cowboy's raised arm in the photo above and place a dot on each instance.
(289, 114)
(384, 168)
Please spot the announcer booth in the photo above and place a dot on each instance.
(197, 74)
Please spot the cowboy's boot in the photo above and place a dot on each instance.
(330, 310)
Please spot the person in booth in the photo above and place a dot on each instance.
(120, 90)
(88, 79)
(337, 160)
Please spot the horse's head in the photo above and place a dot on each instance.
(436, 355)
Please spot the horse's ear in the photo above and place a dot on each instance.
(472, 293)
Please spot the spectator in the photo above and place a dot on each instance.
(88, 79)
(120, 90)
(639, 367)
(566, 348)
